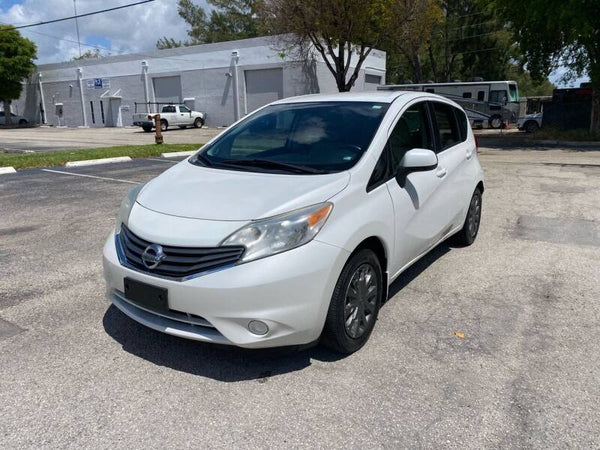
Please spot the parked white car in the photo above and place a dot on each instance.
(290, 226)
(170, 115)
(531, 122)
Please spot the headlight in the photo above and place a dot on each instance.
(126, 206)
(280, 233)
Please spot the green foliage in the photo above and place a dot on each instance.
(16, 62)
(528, 87)
(229, 20)
(89, 54)
(554, 33)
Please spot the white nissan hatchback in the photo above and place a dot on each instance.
(290, 225)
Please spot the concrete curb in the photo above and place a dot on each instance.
(176, 154)
(93, 162)
(9, 169)
(526, 143)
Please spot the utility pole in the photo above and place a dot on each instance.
(77, 26)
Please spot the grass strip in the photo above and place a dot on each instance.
(46, 159)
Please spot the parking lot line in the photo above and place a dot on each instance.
(91, 176)
(163, 160)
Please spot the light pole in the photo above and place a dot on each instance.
(77, 26)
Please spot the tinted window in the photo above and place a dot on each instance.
(513, 92)
(168, 109)
(324, 136)
(380, 172)
(448, 134)
(184, 109)
(481, 96)
(498, 96)
(462, 123)
(411, 131)
(373, 79)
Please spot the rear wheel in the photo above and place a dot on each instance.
(198, 123)
(147, 129)
(355, 303)
(495, 121)
(466, 236)
(164, 125)
(531, 126)
(22, 122)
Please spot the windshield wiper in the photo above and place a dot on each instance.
(268, 164)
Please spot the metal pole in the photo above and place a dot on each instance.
(234, 76)
(80, 79)
(43, 110)
(77, 26)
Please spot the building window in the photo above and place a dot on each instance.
(481, 96)
(467, 95)
(373, 79)
(92, 109)
(102, 110)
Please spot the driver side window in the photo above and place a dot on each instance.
(411, 131)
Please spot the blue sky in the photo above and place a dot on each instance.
(134, 29)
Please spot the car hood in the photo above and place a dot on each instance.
(187, 190)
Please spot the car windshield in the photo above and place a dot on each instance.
(302, 138)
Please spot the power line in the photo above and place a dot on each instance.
(76, 16)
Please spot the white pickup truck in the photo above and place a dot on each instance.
(170, 115)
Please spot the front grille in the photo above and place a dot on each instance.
(180, 262)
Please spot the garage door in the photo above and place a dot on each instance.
(263, 86)
(167, 89)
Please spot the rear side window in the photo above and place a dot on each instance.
(463, 123)
(447, 127)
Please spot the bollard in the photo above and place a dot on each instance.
(158, 139)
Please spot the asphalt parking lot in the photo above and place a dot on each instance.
(47, 139)
(75, 372)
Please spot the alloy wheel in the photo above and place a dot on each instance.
(361, 301)
(474, 215)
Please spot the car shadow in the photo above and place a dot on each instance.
(405, 278)
(218, 362)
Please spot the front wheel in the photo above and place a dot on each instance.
(147, 129)
(355, 303)
(22, 122)
(198, 122)
(531, 126)
(164, 125)
(466, 236)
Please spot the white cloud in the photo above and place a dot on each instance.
(129, 30)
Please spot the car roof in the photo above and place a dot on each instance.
(372, 96)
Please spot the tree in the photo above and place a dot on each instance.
(552, 33)
(89, 54)
(229, 20)
(342, 32)
(16, 64)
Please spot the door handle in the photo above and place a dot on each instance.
(441, 172)
(469, 154)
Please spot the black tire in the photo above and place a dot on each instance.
(147, 129)
(496, 122)
(163, 125)
(466, 236)
(198, 123)
(531, 126)
(22, 122)
(351, 318)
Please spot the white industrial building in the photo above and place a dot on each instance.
(225, 80)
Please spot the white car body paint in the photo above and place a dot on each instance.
(193, 206)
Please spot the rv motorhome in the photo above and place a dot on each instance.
(494, 102)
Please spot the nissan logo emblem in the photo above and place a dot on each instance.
(153, 256)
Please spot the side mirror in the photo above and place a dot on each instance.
(418, 160)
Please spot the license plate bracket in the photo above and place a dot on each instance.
(146, 295)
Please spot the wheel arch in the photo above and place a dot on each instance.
(480, 186)
(377, 245)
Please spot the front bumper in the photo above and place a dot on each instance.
(290, 292)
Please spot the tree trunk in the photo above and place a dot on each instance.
(7, 116)
(595, 119)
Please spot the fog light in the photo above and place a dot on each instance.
(258, 327)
